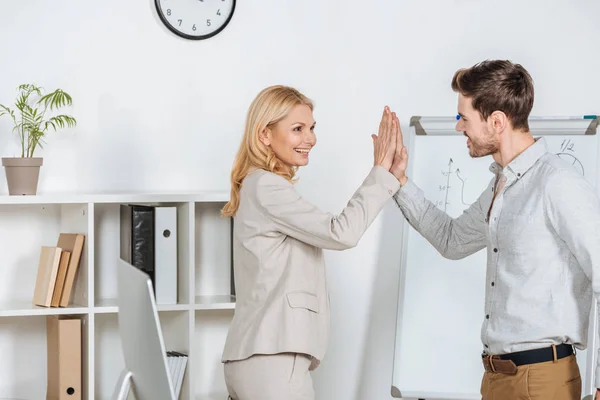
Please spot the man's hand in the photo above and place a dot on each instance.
(401, 156)
(597, 394)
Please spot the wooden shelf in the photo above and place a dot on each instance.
(107, 306)
(66, 198)
(217, 302)
(219, 396)
(204, 266)
(26, 308)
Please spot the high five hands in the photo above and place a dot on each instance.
(388, 146)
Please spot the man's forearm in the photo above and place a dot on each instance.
(453, 238)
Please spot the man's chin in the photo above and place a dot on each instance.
(476, 154)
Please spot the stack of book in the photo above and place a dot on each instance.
(148, 241)
(57, 270)
(176, 362)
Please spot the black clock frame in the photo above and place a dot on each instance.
(191, 37)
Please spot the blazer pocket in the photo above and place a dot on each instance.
(303, 300)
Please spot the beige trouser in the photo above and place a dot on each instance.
(282, 376)
(550, 380)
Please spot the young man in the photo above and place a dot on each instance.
(540, 222)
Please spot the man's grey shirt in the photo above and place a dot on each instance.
(542, 236)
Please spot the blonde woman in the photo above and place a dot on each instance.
(280, 329)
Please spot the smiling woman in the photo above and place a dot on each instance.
(292, 138)
(280, 327)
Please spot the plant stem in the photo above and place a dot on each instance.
(22, 137)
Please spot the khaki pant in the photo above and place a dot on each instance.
(550, 380)
(270, 377)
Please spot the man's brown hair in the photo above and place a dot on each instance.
(497, 85)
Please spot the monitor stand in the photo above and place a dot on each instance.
(123, 386)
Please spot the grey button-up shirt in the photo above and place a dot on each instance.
(542, 234)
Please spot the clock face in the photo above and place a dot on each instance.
(195, 19)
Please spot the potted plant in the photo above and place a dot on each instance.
(31, 124)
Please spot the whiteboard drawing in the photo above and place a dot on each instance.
(450, 174)
(571, 159)
(454, 183)
(567, 153)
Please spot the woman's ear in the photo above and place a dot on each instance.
(265, 136)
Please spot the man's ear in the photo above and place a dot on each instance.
(499, 121)
(265, 136)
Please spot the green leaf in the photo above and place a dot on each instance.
(62, 121)
(33, 125)
(6, 110)
(56, 99)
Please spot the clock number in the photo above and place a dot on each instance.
(168, 11)
(194, 27)
(219, 12)
(208, 22)
(179, 20)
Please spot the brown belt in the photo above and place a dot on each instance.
(508, 363)
(495, 364)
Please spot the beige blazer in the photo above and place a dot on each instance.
(282, 304)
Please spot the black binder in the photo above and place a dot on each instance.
(137, 237)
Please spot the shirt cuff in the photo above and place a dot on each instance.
(386, 178)
(407, 191)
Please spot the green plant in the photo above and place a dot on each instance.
(33, 125)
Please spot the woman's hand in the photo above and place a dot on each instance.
(384, 144)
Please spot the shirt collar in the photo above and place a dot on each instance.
(524, 161)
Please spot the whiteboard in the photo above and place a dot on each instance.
(438, 348)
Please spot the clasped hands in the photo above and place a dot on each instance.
(388, 146)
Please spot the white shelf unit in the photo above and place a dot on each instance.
(197, 325)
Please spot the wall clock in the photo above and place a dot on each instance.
(195, 19)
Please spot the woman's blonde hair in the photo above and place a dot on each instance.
(269, 107)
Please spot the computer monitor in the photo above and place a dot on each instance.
(146, 370)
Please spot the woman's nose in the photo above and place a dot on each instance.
(310, 138)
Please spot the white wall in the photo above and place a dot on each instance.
(182, 105)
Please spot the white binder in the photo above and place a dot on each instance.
(165, 253)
